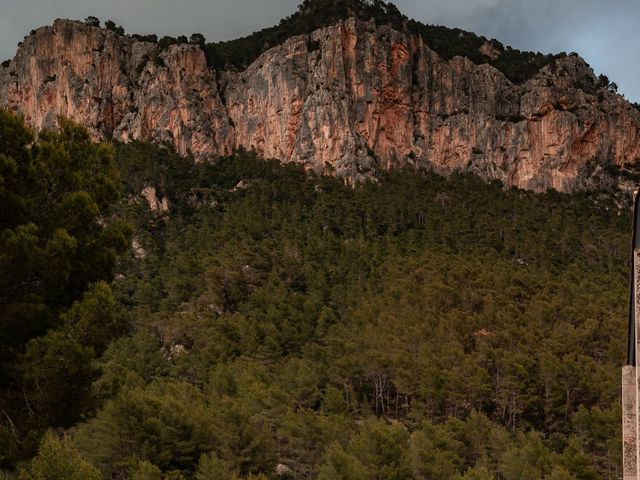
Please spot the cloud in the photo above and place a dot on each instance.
(603, 32)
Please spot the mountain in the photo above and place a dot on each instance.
(270, 323)
(345, 86)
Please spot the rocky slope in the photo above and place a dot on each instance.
(351, 98)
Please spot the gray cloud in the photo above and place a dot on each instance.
(603, 32)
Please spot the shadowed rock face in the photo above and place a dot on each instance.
(352, 98)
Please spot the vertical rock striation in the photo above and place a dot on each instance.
(352, 98)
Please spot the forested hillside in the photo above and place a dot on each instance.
(59, 241)
(286, 325)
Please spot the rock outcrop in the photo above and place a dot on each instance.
(352, 99)
(150, 194)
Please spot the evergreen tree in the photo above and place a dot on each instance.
(56, 238)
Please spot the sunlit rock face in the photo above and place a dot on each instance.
(351, 99)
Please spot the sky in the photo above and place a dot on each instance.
(603, 32)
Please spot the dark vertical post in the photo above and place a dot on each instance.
(630, 380)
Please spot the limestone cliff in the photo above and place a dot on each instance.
(351, 98)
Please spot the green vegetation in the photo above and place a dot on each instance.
(111, 25)
(57, 460)
(238, 54)
(285, 325)
(58, 244)
(313, 14)
(92, 21)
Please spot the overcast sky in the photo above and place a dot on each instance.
(604, 32)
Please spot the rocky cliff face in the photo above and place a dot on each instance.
(352, 99)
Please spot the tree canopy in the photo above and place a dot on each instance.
(58, 242)
(281, 324)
